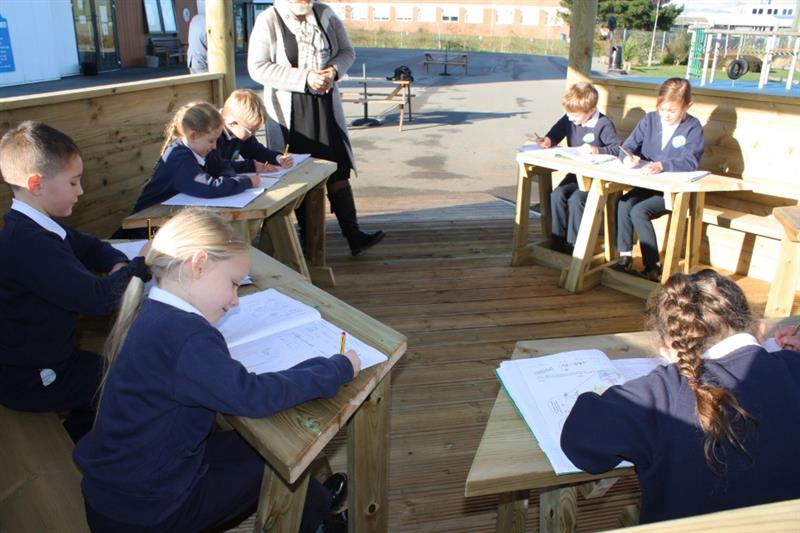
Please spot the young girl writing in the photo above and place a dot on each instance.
(714, 430)
(189, 137)
(151, 461)
(668, 140)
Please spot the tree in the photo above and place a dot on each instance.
(631, 14)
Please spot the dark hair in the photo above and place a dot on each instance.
(34, 148)
(692, 312)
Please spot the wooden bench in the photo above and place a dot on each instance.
(399, 97)
(169, 47)
(459, 59)
(748, 136)
(40, 487)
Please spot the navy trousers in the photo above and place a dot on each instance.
(635, 210)
(74, 389)
(226, 494)
(559, 206)
(577, 201)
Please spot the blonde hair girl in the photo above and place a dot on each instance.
(715, 429)
(152, 460)
(195, 122)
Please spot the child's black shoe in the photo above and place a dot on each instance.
(652, 273)
(337, 486)
(625, 264)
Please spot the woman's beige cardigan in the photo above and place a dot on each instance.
(268, 65)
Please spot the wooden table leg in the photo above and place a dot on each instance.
(610, 227)
(782, 289)
(675, 233)
(368, 462)
(512, 512)
(519, 244)
(587, 237)
(243, 228)
(557, 510)
(283, 240)
(694, 235)
(280, 506)
(321, 274)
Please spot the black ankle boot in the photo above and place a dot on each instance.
(300, 213)
(344, 207)
(625, 264)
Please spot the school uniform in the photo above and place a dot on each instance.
(566, 201)
(230, 148)
(47, 280)
(678, 150)
(149, 462)
(180, 170)
(652, 422)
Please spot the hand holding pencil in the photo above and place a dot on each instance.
(788, 337)
(630, 159)
(351, 355)
(543, 142)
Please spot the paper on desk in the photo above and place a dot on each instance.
(578, 154)
(270, 331)
(529, 147)
(298, 160)
(235, 200)
(617, 166)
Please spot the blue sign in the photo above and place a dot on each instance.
(6, 54)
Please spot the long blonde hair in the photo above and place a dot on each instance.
(200, 117)
(176, 242)
(692, 312)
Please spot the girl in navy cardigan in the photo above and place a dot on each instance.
(714, 430)
(152, 461)
(669, 140)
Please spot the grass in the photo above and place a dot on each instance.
(476, 43)
(669, 71)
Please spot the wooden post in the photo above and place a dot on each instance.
(219, 25)
(581, 40)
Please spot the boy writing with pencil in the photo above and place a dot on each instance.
(243, 115)
(585, 127)
(47, 279)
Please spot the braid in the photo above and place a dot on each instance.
(691, 313)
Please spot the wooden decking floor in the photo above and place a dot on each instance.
(442, 277)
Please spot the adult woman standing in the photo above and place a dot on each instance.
(297, 50)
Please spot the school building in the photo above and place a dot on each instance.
(521, 18)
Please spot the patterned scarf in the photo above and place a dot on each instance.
(313, 50)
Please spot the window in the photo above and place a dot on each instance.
(427, 13)
(360, 12)
(449, 14)
(159, 16)
(761, 11)
(755, 11)
(340, 10)
(504, 15)
(530, 16)
(404, 13)
(553, 17)
(473, 15)
(380, 12)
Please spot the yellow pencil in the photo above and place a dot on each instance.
(624, 151)
(286, 150)
(149, 230)
(341, 345)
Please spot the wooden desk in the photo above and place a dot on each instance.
(459, 59)
(510, 463)
(685, 199)
(292, 439)
(783, 287)
(399, 96)
(275, 207)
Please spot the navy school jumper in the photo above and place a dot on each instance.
(230, 148)
(174, 372)
(45, 283)
(180, 171)
(566, 201)
(638, 207)
(652, 422)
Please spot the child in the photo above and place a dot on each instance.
(47, 280)
(151, 461)
(714, 430)
(190, 136)
(670, 140)
(583, 126)
(243, 115)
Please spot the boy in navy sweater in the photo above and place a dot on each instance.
(716, 429)
(47, 279)
(585, 127)
(243, 115)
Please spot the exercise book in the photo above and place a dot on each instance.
(269, 331)
(544, 389)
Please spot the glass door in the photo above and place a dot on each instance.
(96, 34)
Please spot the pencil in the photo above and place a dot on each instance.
(286, 150)
(624, 151)
(149, 230)
(538, 137)
(341, 345)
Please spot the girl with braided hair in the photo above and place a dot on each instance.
(717, 428)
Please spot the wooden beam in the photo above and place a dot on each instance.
(581, 40)
(219, 20)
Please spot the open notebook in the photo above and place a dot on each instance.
(544, 389)
(270, 331)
